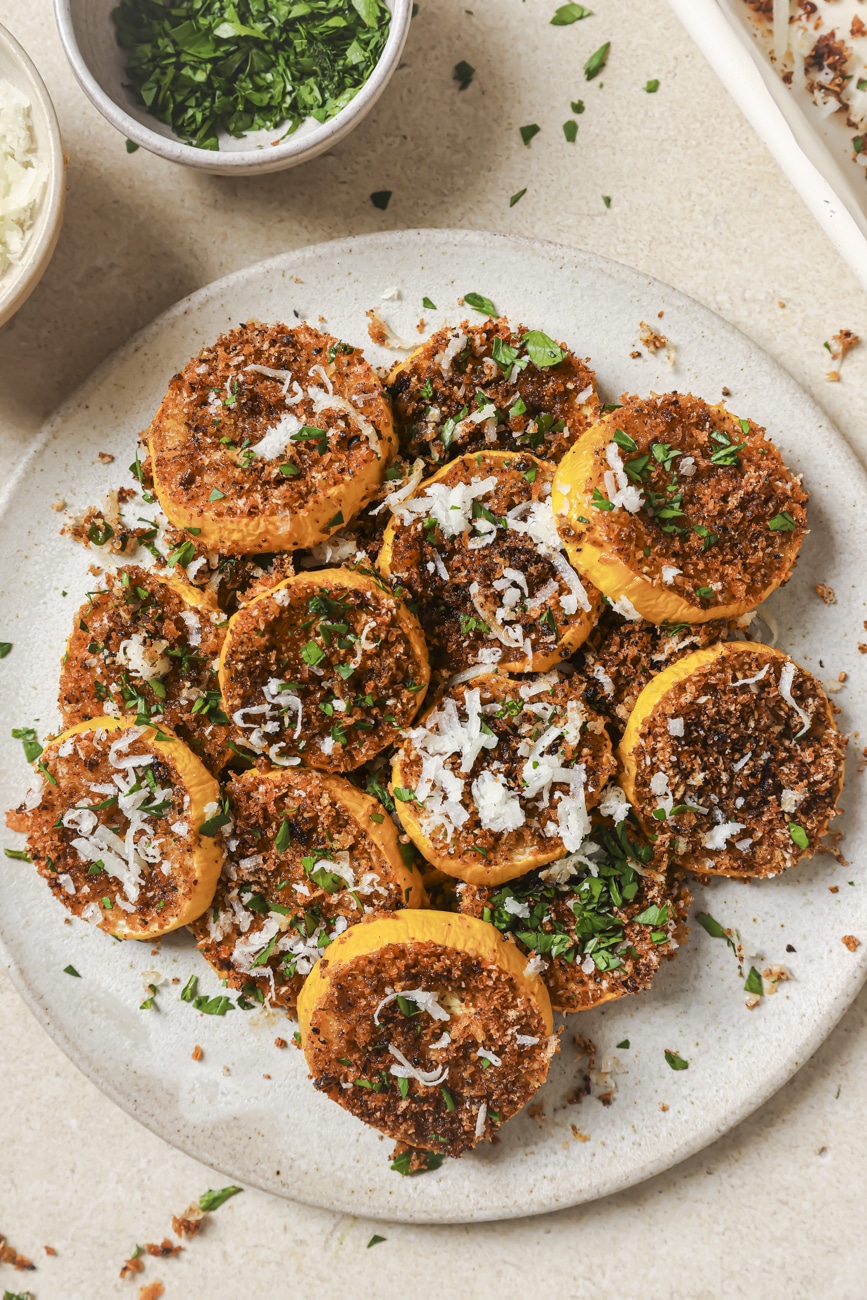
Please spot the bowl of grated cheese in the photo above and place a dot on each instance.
(32, 180)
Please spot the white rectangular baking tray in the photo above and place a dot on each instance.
(813, 152)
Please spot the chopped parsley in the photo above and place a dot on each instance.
(753, 983)
(401, 1165)
(248, 65)
(376, 1239)
(5, 648)
(211, 1200)
(20, 855)
(431, 306)
(716, 931)
(782, 523)
(597, 61)
(652, 86)
(606, 199)
(623, 1045)
(542, 350)
(181, 555)
(312, 654)
(597, 903)
(220, 819)
(27, 736)
(516, 198)
(527, 132)
(600, 502)
(624, 441)
(381, 199)
(676, 1061)
(568, 14)
(570, 130)
(799, 835)
(479, 302)
(463, 74)
(70, 970)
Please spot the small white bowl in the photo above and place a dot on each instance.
(17, 282)
(99, 65)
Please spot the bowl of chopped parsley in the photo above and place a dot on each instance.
(233, 86)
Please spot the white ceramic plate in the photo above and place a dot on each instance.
(278, 1132)
(814, 152)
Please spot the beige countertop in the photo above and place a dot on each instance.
(772, 1209)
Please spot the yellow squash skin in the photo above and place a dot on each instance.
(474, 871)
(195, 597)
(448, 929)
(283, 532)
(202, 789)
(353, 581)
(659, 687)
(576, 630)
(580, 471)
(359, 807)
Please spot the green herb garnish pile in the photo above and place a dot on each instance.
(203, 66)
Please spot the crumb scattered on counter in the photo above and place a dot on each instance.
(8, 1255)
(165, 1250)
(190, 1222)
(851, 942)
(135, 1264)
(826, 593)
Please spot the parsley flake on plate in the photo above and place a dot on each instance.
(527, 132)
(570, 130)
(248, 65)
(479, 302)
(516, 198)
(381, 199)
(676, 1061)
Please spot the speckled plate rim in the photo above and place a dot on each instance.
(412, 1204)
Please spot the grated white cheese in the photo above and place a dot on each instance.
(498, 808)
(144, 661)
(423, 998)
(614, 803)
(787, 677)
(621, 493)
(22, 175)
(790, 799)
(625, 608)
(718, 836)
(675, 726)
(403, 1070)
